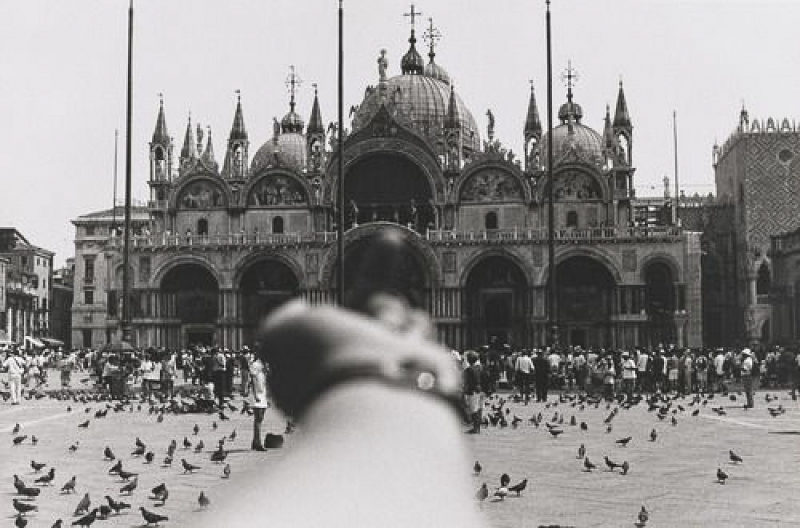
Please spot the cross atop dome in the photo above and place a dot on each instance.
(412, 15)
(431, 35)
(569, 77)
(293, 82)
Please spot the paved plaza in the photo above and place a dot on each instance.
(674, 476)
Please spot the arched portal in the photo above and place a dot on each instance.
(585, 302)
(660, 302)
(265, 285)
(388, 187)
(496, 303)
(190, 296)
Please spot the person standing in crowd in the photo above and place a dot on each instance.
(719, 370)
(673, 370)
(67, 363)
(701, 371)
(688, 371)
(541, 372)
(796, 375)
(628, 374)
(219, 377)
(658, 369)
(168, 373)
(642, 370)
(609, 376)
(581, 369)
(473, 391)
(245, 360)
(14, 365)
(260, 403)
(746, 372)
(523, 370)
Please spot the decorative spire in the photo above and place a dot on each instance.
(160, 134)
(431, 35)
(208, 153)
(453, 119)
(608, 131)
(622, 118)
(744, 118)
(188, 152)
(315, 124)
(533, 126)
(412, 63)
(293, 82)
(238, 130)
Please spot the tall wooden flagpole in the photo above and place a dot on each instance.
(552, 305)
(126, 279)
(340, 168)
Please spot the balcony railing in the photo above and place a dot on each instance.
(564, 236)
(158, 204)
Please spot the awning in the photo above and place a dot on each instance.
(49, 341)
(35, 342)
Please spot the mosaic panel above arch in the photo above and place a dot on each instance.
(575, 185)
(201, 194)
(278, 189)
(491, 185)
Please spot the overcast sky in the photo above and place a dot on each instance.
(62, 79)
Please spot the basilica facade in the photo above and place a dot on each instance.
(221, 245)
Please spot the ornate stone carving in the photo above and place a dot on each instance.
(575, 185)
(201, 195)
(277, 190)
(491, 185)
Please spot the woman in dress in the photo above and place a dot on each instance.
(258, 378)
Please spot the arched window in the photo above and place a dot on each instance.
(572, 219)
(491, 220)
(202, 227)
(764, 281)
(277, 224)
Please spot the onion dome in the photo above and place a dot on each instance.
(435, 71)
(585, 143)
(412, 63)
(284, 150)
(292, 122)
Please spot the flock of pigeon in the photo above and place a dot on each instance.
(665, 408)
(42, 481)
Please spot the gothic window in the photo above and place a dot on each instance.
(277, 225)
(491, 220)
(622, 141)
(202, 227)
(764, 281)
(88, 297)
(160, 163)
(572, 219)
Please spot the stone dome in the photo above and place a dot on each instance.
(421, 101)
(435, 71)
(587, 144)
(292, 122)
(284, 150)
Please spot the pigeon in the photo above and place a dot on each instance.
(501, 492)
(152, 517)
(108, 454)
(47, 478)
(116, 468)
(148, 457)
(105, 511)
(584, 426)
(34, 440)
(625, 467)
(117, 506)
(588, 464)
(19, 439)
(482, 493)
(505, 480)
(610, 463)
(88, 519)
(219, 455)
(74, 447)
(139, 451)
(160, 494)
(167, 461)
(214, 425)
(186, 443)
(138, 442)
(20, 521)
(477, 468)
(643, 517)
(226, 471)
(199, 447)
(69, 486)
(519, 487)
(232, 436)
(83, 505)
(37, 466)
(674, 421)
(187, 467)
(653, 435)
(126, 475)
(624, 441)
(57, 524)
(18, 483)
(734, 457)
(555, 432)
(23, 508)
(29, 492)
(581, 451)
(721, 476)
(130, 486)
(695, 412)
(203, 501)
(196, 429)
(84, 425)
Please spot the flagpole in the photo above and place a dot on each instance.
(677, 187)
(340, 168)
(552, 305)
(126, 279)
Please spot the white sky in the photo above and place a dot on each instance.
(62, 79)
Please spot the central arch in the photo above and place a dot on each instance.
(496, 302)
(190, 297)
(264, 285)
(388, 187)
(585, 302)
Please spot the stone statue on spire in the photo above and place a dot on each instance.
(382, 65)
(490, 127)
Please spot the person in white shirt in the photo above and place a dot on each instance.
(747, 376)
(14, 365)
(260, 403)
(642, 368)
(523, 370)
(628, 374)
(719, 370)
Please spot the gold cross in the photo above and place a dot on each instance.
(413, 14)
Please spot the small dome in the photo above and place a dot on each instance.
(437, 72)
(285, 150)
(412, 62)
(422, 100)
(292, 122)
(587, 143)
(570, 109)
